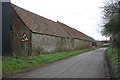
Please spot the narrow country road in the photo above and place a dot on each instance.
(90, 64)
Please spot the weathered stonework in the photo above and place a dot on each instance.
(45, 43)
(67, 44)
(66, 39)
(17, 30)
(81, 44)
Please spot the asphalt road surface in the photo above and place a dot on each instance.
(90, 64)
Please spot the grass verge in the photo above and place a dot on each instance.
(18, 64)
(112, 55)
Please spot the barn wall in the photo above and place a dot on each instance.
(90, 43)
(77, 43)
(47, 44)
(67, 44)
(81, 44)
(17, 29)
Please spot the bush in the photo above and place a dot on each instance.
(112, 54)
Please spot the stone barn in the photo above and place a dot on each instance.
(79, 39)
(32, 34)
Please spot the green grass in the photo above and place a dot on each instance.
(114, 61)
(18, 64)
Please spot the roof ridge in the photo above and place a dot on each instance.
(70, 27)
(31, 12)
(64, 29)
(66, 25)
(39, 24)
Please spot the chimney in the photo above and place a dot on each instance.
(5, 27)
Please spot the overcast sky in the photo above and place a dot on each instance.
(83, 15)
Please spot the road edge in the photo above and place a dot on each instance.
(41, 65)
(110, 70)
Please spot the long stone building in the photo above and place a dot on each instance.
(32, 34)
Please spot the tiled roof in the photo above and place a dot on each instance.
(40, 24)
(73, 32)
(84, 37)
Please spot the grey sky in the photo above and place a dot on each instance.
(83, 15)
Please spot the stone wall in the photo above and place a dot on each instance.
(81, 44)
(47, 44)
(67, 44)
(17, 29)
(77, 43)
